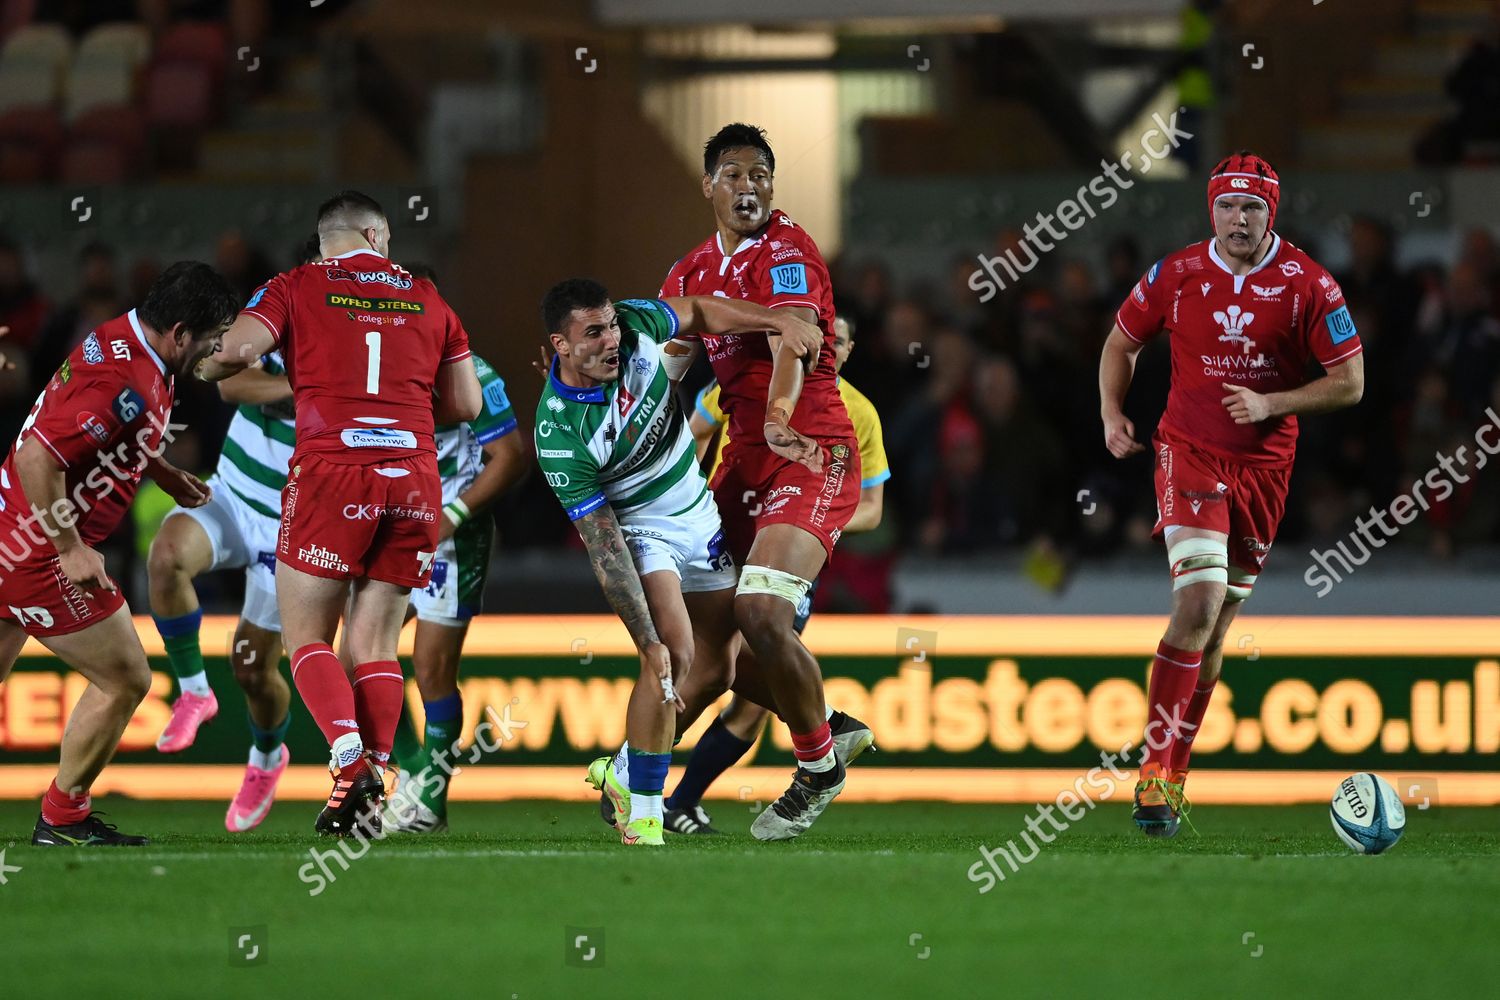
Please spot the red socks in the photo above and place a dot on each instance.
(1182, 748)
(814, 750)
(378, 690)
(61, 809)
(1174, 675)
(324, 687)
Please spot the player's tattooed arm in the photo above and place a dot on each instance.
(616, 572)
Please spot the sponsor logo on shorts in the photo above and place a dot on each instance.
(833, 484)
(316, 555)
(92, 353)
(377, 437)
(288, 512)
(439, 578)
(376, 511)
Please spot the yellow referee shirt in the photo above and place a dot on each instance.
(874, 468)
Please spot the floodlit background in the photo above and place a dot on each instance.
(518, 143)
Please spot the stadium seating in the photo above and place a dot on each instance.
(30, 139)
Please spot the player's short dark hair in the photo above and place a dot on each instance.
(311, 250)
(565, 296)
(737, 135)
(347, 203)
(190, 293)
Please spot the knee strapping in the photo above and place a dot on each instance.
(1241, 584)
(1198, 560)
(778, 583)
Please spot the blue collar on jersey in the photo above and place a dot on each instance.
(577, 395)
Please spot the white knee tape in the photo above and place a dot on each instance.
(765, 580)
(1241, 584)
(1198, 560)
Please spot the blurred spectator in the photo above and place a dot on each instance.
(247, 267)
(1468, 344)
(23, 309)
(97, 299)
(1474, 84)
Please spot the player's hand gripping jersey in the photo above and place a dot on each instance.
(102, 415)
(363, 341)
(1258, 330)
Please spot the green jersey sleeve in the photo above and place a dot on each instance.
(648, 317)
(496, 418)
(567, 464)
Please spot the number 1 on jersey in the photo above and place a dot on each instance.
(372, 374)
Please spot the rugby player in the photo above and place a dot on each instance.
(375, 358)
(618, 455)
(101, 422)
(236, 529)
(1248, 312)
(789, 481)
(735, 731)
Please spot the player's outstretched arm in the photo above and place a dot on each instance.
(255, 386)
(616, 572)
(715, 316)
(45, 483)
(244, 342)
(1116, 369)
(458, 394)
(1343, 385)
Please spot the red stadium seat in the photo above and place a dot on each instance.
(15, 13)
(121, 127)
(95, 161)
(30, 139)
(180, 95)
(199, 42)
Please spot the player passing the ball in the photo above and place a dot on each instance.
(1247, 313)
(375, 357)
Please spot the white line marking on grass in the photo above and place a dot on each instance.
(251, 854)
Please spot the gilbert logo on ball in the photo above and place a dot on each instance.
(1367, 813)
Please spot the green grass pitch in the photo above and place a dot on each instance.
(874, 902)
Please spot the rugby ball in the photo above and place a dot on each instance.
(1367, 813)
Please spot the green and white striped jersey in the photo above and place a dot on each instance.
(624, 442)
(258, 449)
(460, 447)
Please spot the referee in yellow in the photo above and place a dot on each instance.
(734, 732)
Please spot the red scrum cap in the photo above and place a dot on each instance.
(1245, 174)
